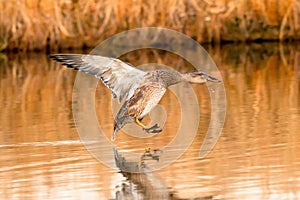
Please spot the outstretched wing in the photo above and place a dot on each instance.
(117, 75)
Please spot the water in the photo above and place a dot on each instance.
(256, 157)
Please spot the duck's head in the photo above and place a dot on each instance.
(197, 76)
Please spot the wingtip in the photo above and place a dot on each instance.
(52, 56)
(55, 57)
(113, 137)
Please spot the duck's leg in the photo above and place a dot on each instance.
(139, 123)
(152, 129)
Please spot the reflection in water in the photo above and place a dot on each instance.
(145, 184)
(256, 156)
(149, 186)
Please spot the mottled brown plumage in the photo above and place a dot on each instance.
(141, 90)
(144, 99)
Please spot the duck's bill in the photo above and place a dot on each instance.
(211, 78)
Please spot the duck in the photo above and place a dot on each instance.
(141, 90)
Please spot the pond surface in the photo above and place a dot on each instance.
(256, 157)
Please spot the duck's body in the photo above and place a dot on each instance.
(141, 90)
(151, 88)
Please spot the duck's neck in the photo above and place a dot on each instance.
(170, 77)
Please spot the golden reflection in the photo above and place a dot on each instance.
(256, 156)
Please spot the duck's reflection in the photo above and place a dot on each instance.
(126, 191)
(136, 166)
(124, 165)
(141, 182)
(151, 154)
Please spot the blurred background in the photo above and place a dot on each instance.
(55, 24)
(255, 45)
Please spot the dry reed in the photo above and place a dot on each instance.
(45, 24)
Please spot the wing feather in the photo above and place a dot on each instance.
(122, 78)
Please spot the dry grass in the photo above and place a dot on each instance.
(41, 24)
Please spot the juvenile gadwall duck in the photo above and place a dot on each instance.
(142, 90)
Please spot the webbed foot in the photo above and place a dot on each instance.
(153, 129)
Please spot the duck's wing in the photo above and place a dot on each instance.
(120, 77)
